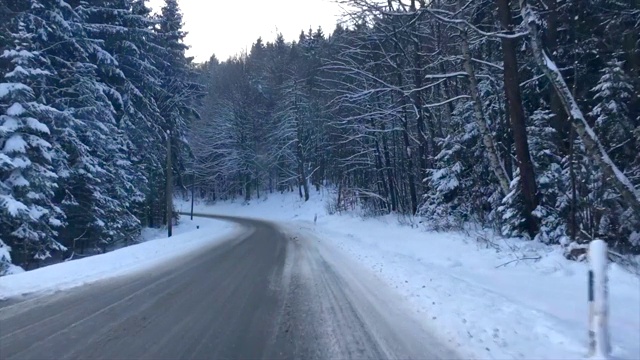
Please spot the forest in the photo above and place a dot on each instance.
(519, 116)
(91, 93)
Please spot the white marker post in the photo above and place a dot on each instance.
(599, 346)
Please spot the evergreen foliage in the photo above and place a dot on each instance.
(82, 127)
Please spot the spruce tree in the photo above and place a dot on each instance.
(29, 218)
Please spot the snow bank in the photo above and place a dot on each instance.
(472, 294)
(187, 239)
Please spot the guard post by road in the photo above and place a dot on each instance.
(599, 345)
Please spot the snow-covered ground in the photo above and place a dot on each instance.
(156, 248)
(465, 290)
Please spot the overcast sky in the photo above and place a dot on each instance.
(226, 27)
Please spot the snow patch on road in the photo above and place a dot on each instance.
(474, 294)
(155, 250)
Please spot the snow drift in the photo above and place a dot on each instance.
(119, 262)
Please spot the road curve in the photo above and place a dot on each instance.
(266, 293)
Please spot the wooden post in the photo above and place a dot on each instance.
(193, 186)
(169, 187)
(598, 300)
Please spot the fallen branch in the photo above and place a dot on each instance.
(519, 259)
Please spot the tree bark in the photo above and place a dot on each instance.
(380, 178)
(487, 138)
(416, 98)
(389, 169)
(407, 151)
(517, 117)
(407, 145)
(193, 192)
(559, 120)
(301, 163)
(412, 181)
(169, 195)
(247, 186)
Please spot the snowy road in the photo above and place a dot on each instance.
(267, 293)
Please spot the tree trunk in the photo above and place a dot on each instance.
(247, 187)
(407, 148)
(573, 218)
(169, 194)
(417, 104)
(193, 192)
(507, 142)
(444, 91)
(412, 181)
(150, 205)
(387, 159)
(487, 138)
(594, 148)
(301, 173)
(559, 120)
(517, 117)
(380, 178)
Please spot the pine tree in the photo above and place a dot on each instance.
(28, 216)
(612, 117)
(178, 90)
(614, 124)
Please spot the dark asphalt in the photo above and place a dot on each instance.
(262, 294)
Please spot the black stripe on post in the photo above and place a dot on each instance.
(590, 285)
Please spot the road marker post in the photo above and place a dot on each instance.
(599, 345)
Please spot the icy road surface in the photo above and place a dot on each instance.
(265, 293)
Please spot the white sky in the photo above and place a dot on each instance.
(227, 27)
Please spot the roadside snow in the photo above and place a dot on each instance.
(466, 291)
(186, 239)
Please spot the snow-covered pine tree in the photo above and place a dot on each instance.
(614, 123)
(554, 182)
(29, 218)
(91, 184)
(126, 31)
(179, 88)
